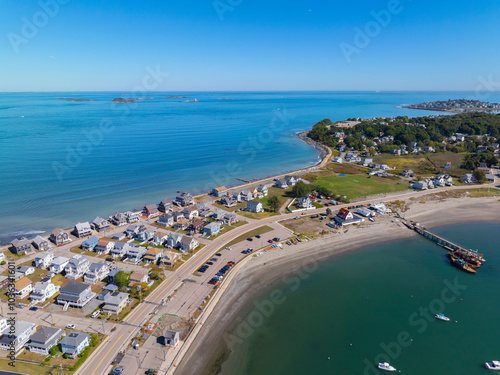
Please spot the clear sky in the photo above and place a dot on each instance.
(250, 45)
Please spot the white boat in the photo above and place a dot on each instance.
(371, 219)
(442, 317)
(493, 365)
(386, 367)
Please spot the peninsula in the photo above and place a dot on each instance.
(456, 106)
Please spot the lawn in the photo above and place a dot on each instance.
(252, 233)
(228, 228)
(357, 186)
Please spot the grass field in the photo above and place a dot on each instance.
(357, 186)
(424, 164)
(252, 233)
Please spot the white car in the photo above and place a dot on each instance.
(228, 248)
(71, 326)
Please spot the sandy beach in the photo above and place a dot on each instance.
(260, 273)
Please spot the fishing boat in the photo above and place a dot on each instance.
(461, 264)
(441, 316)
(493, 365)
(386, 367)
(472, 262)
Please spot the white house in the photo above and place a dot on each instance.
(190, 212)
(305, 202)
(132, 217)
(97, 272)
(58, 264)
(77, 267)
(188, 244)
(15, 334)
(171, 338)
(43, 260)
(174, 240)
(74, 343)
(104, 246)
(43, 290)
(254, 206)
(82, 229)
(167, 220)
(159, 238)
(135, 254)
(23, 287)
(246, 195)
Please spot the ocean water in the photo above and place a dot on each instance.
(66, 161)
(348, 314)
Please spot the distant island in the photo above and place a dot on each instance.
(123, 100)
(174, 97)
(77, 100)
(456, 106)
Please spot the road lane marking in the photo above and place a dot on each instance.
(106, 355)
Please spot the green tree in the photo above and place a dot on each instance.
(480, 176)
(54, 350)
(328, 211)
(122, 279)
(274, 203)
(300, 189)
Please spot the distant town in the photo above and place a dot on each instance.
(456, 106)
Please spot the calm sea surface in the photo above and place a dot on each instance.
(349, 312)
(65, 161)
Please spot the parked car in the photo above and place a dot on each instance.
(214, 259)
(151, 372)
(270, 241)
(257, 236)
(249, 239)
(33, 308)
(71, 326)
(210, 263)
(218, 254)
(228, 248)
(110, 260)
(276, 239)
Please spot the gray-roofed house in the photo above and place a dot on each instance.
(43, 290)
(219, 214)
(75, 295)
(120, 249)
(58, 264)
(188, 244)
(190, 212)
(118, 236)
(166, 206)
(119, 219)
(97, 272)
(291, 180)
(171, 338)
(211, 229)
(132, 217)
(112, 274)
(151, 210)
(254, 206)
(145, 233)
(59, 237)
(174, 240)
(167, 220)
(230, 219)
(20, 336)
(132, 230)
(281, 183)
(246, 195)
(184, 199)
(115, 302)
(82, 230)
(43, 260)
(135, 254)
(228, 201)
(179, 215)
(21, 245)
(77, 267)
(99, 224)
(74, 343)
(45, 338)
(41, 243)
(26, 270)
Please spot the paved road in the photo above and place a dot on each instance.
(99, 363)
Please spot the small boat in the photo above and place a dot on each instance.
(462, 264)
(442, 317)
(386, 367)
(493, 365)
(371, 219)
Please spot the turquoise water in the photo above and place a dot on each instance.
(369, 299)
(63, 162)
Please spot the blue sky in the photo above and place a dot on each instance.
(251, 45)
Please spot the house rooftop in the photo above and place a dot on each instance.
(74, 288)
(22, 283)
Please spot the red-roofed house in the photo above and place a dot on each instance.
(345, 214)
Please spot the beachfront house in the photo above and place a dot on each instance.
(13, 339)
(22, 288)
(188, 244)
(77, 267)
(219, 191)
(167, 220)
(58, 264)
(135, 254)
(99, 224)
(281, 183)
(43, 260)
(59, 237)
(132, 217)
(74, 343)
(153, 255)
(263, 190)
(291, 180)
(468, 179)
(82, 229)
(75, 295)
(230, 219)
(21, 246)
(151, 210)
(228, 201)
(119, 219)
(184, 199)
(190, 212)
(45, 338)
(171, 338)
(97, 272)
(104, 246)
(41, 243)
(212, 228)
(346, 217)
(169, 258)
(237, 197)
(166, 206)
(254, 206)
(196, 226)
(115, 303)
(159, 238)
(182, 224)
(246, 195)
(174, 240)
(305, 202)
(90, 243)
(43, 290)
(145, 233)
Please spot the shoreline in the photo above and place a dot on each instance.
(208, 351)
(324, 158)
